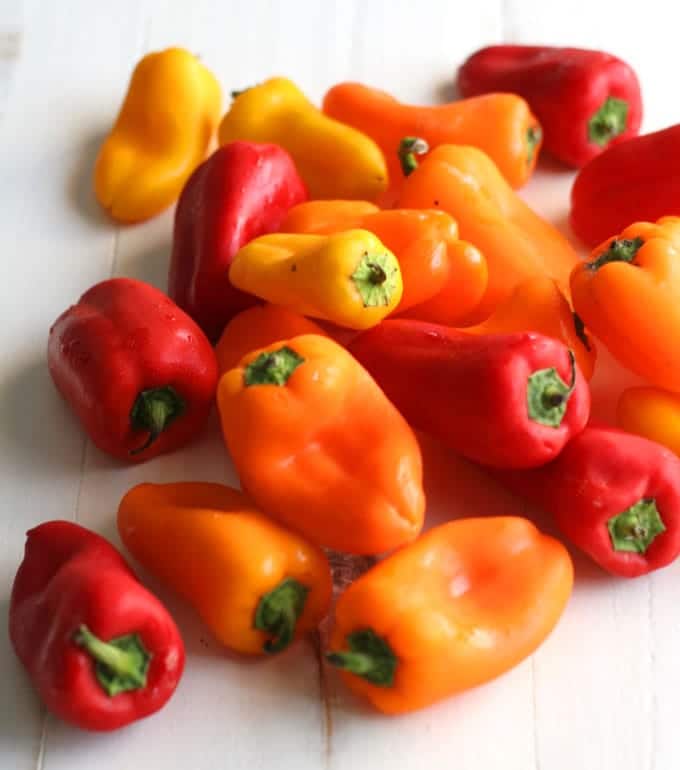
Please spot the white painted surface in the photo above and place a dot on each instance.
(601, 694)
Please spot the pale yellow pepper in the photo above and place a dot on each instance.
(162, 132)
(349, 278)
(336, 161)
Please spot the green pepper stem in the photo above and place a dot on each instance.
(278, 612)
(547, 394)
(623, 250)
(534, 136)
(409, 148)
(636, 528)
(369, 656)
(608, 122)
(272, 368)
(153, 411)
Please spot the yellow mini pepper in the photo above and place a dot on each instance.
(335, 160)
(162, 132)
(348, 278)
(652, 413)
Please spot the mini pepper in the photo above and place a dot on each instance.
(101, 650)
(653, 413)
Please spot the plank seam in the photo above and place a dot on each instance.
(40, 762)
(534, 706)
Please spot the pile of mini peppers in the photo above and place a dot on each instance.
(339, 278)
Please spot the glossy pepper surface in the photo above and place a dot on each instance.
(627, 295)
(137, 371)
(516, 243)
(318, 446)
(334, 159)
(349, 278)
(500, 124)
(254, 583)
(614, 495)
(463, 604)
(505, 400)
(242, 191)
(653, 413)
(585, 100)
(162, 132)
(101, 650)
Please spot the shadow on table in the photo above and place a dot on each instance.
(80, 185)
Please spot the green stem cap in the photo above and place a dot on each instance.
(273, 368)
(623, 250)
(534, 136)
(369, 656)
(278, 611)
(121, 664)
(608, 122)
(409, 147)
(153, 411)
(376, 278)
(548, 394)
(637, 527)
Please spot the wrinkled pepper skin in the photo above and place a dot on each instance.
(162, 132)
(348, 278)
(614, 495)
(465, 603)
(538, 305)
(638, 180)
(627, 295)
(501, 125)
(241, 192)
(503, 400)
(318, 446)
(586, 101)
(137, 371)
(334, 159)
(101, 650)
(433, 262)
(652, 413)
(256, 585)
(516, 243)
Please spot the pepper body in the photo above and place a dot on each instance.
(318, 446)
(242, 191)
(463, 604)
(653, 413)
(349, 278)
(137, 371)
(500, 124)
(627, 295)
(516, 243)
(504, 400)
(443, 277)
(162, 132)
(614, 495)
(255, 584)
(101, 650)
(633, 181)
(585, 100)
(334, 159)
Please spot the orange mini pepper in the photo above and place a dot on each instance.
(433, 262)
(516, 242)
(463, 604)
(628, 295)
(652, 413)
(500, 124)
(318, 446)
(254, 583)
(538, 305)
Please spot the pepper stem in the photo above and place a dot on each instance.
(409, 147)
(623, 250)
(153, 411)
(121, 664)
(636, 528)
(376, 278)
(548, 394)
(534, 136)
(580, 329)
(608, 122)
(278, 611)
(272, 368)
(369, 656)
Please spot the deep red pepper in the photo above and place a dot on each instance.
(100, 649)
(585, 100)
(614, 495)
(638, 181)
(137, 371)
(504, 400)
(240, 192)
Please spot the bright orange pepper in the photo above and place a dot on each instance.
(254, 583)
(318, 446)
(500, 124)
(463, 604)
(517, 244)
(653, 413)
(538, 305)
(444, 278)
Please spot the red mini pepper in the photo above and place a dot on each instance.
(100, 649)
(241, 192)
(585, 100)
(136, 370)
(638, 181)
(504, 400)
(614, 495)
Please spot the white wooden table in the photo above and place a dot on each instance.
(603, 693)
